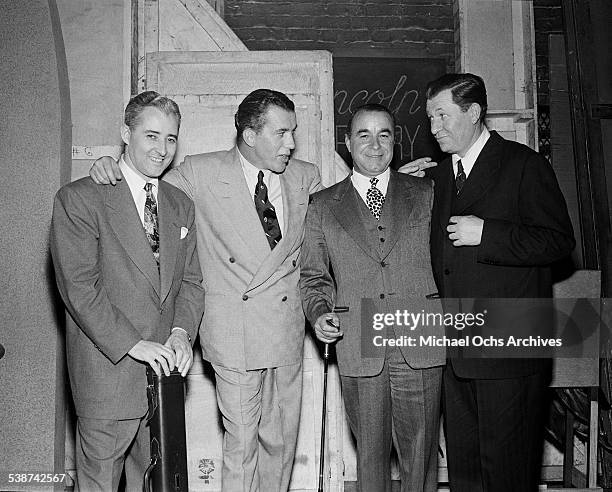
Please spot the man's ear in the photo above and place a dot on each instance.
(347, 142)
(474, 111)
(125, 134)
(248, 135)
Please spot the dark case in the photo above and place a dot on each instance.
(166, 419)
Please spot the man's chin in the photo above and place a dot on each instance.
(280, 166)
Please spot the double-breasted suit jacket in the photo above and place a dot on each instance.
(253, 317)
(386, 268)
(115, 295)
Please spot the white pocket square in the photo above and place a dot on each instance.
(184, 232)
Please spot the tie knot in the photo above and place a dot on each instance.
(260, 177)
(459, 167)
(148, 187)
(373, 182)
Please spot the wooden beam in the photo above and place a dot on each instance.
(588, 152)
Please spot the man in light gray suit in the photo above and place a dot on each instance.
(372, 231)
(250, 205)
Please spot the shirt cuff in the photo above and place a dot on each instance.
(184, 331)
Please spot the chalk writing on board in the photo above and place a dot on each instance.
(395, 101)
(397, 83)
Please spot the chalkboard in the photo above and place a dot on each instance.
(399, 84)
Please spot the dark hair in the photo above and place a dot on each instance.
(466, 89)
(252, 110)
(149, 99)
(369, 108)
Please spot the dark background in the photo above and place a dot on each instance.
(397, 83)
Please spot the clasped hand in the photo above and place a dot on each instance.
(327, 328)
(176, 352)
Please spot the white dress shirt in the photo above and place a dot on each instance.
(272, 182)
(362, 183)
(472, 154)
(136, 184)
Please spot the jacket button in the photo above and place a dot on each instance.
(382, 296)
(284, 298)
(294, 263)
(245, 297)
(446, 271)
(380, 228)
(383, 264)
(232, 259)
(382, 239)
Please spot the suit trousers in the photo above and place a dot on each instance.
(261, 416)
(494, 432)
(399, 405)
(104, 447)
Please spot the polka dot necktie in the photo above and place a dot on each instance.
(460, 178)
(266, 212)
(375, 199)
(150, 221)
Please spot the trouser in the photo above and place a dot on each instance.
(105, 447)
(261, 415)
(399, 405)
(494, 432)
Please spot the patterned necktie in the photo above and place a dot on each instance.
(375, 199)
(150, 221)
(460, 178)
(266, 212)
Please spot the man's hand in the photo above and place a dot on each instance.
(417, 167)
(154, 354)
(179, 342)
(465, 230)
(105, 171)
(327, 328)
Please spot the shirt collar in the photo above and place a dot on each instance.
(472, 154)
(363, 182)
(134, 180)
(250, 171)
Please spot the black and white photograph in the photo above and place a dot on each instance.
(306, 245)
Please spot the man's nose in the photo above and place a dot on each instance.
(290, 141)
(162, 147)
(435, 126)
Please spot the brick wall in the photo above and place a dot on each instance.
(420, 28)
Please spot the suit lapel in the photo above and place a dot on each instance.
(445, 191)
(169, 237)
(235, 201)
(124, 220)
(398, 210)
(482, 176)
(294, 204)
(346, 211)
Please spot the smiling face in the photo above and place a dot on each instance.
(455, 129)
(151, 142)
(271, 146)
(371, 142)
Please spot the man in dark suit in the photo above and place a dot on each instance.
(127, 269)
(499, 222)
(372, 231)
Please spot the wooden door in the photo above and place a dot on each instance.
(208, 86)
